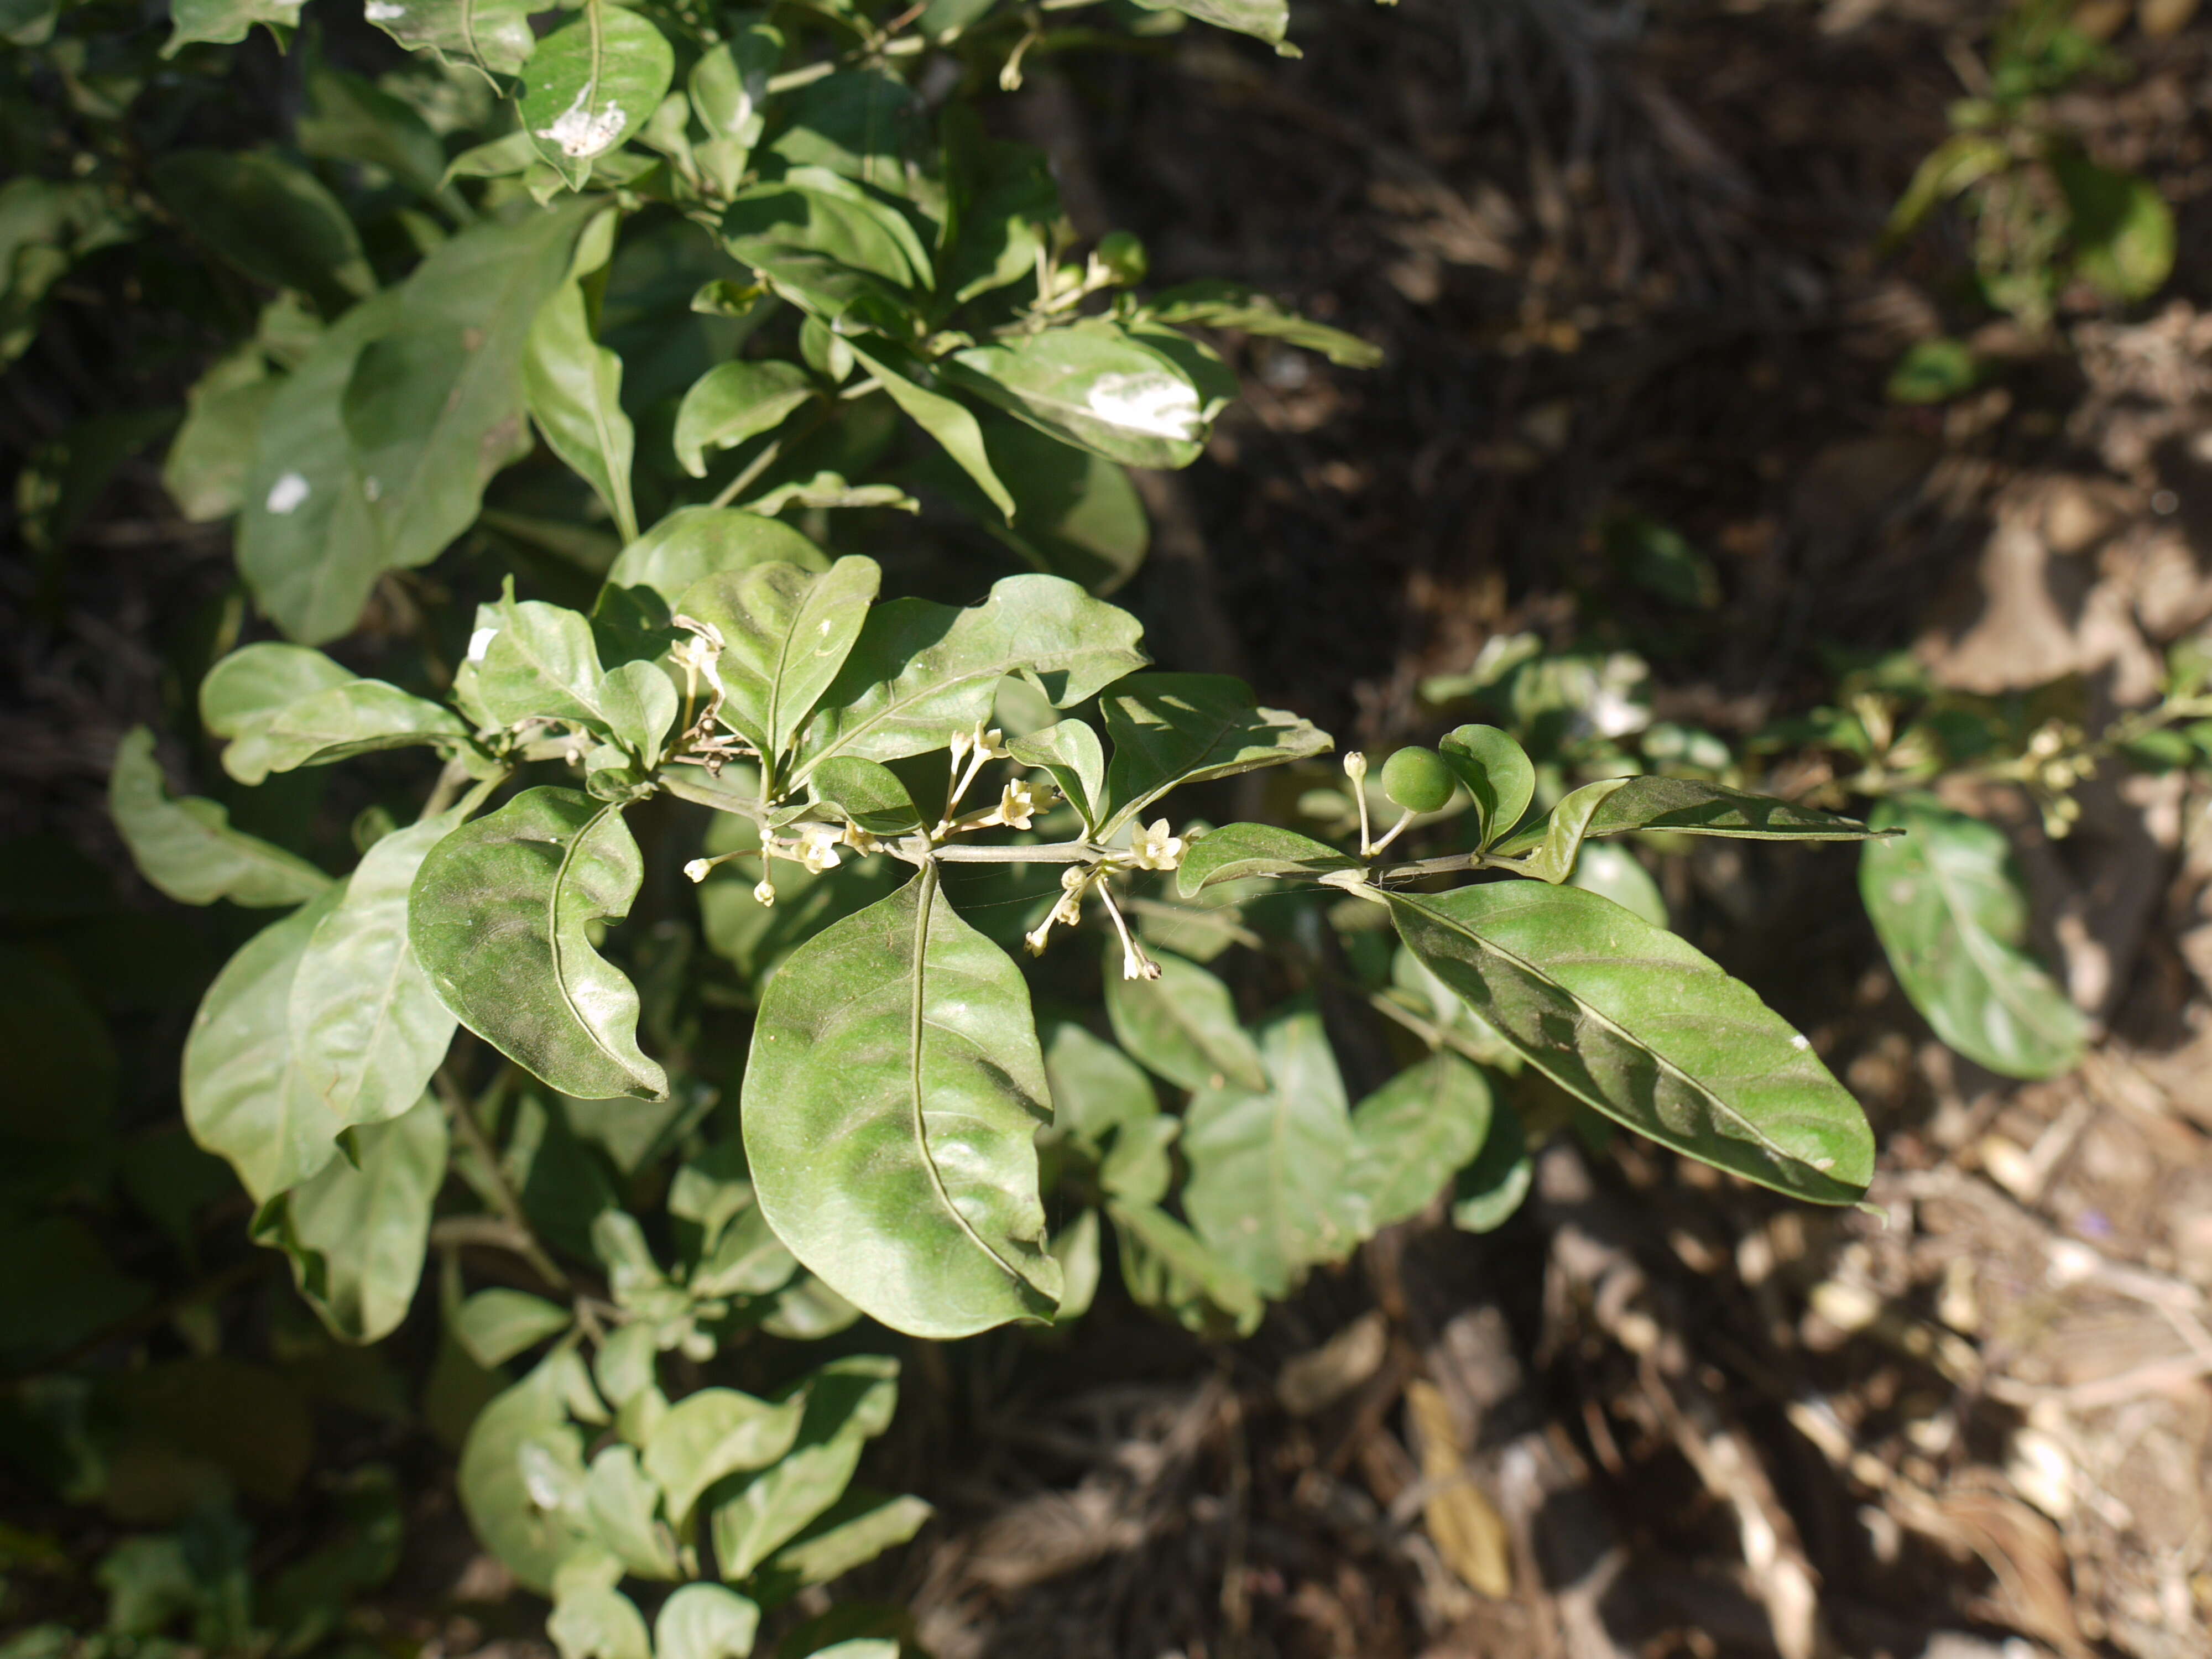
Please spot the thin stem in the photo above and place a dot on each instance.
(1057, 852)
(442, 792)
(769, 457)
(1437, 1036)
(525, 1242)
(1396, 830)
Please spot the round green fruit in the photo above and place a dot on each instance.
(1418, 780)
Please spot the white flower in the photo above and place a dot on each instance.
(1154, 849)
(817, 846)
(988, 745)
(1135, 965)
(1073, 881)
(1020, 803)
(697, 869)
(765, 894)
(861, 841)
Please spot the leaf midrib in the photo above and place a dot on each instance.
(568, 856)
(1759, 1135)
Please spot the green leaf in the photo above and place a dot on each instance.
(619, 1501)
(1552, 845)
(521, 1473)
(1947, 902)
(1069, 751)
(1167, 1267)
(273, 221)
(641, 705)
(1172, 729)
(204, 471)
(1232, 305)
(1690, 807)
(1139, 1168)
(694, 542)
(1959, 163)
(861, 1526)
(1660, 559)
(1076, 514)
(1237, 852)
(714, 1432)
(541, 662)
(1610, 870)
(1181, 1025)
(869, 796)
(492, 35)
(368, 1027)
(356, 1231)
(705, 1621)
(1934, 372)
(921, 671)
(768, 223)
(2121, 227)
(225, 22)
(860, 124)
(373, 454)
(1075, 1246)
(1490, 1189)
(1268, 1190)
(1413, 1133)
(575, 388)
(352, 119)
(1633, 1020)
(594, 1622)
(497, 1324)
(1117, 394)
(1096, 1088)
(786, 633)
(733, 402)
(243, 1096)
(949, 422)
(499, 916)
(188, 850)
(286, 706)
(1497, 773)
(592, 84)
(893, 1094)
(847, 1403)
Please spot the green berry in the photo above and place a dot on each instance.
(1418, 780)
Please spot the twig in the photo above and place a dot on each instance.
(516, 1233)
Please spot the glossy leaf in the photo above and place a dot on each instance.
(356, 1230)
(350, 119)
(500, 914)
(1232, 305)
(188, 850)
(1413, 1133)
(714, 1432)
(1071, 752)
(573, 385)
(733, 402)
(1173, 729)
(1113, 392)
(893, 1094)
(497, 1324)
(947, 420)
(786, 632)
(285, 706)
(224, 22)
(375, 452)
(1610, 869)
(919, 671)
(1096, 1088)
(1497, 773)
(1688, 806)
(493, 35)
(847, 1403)
(869, 796)
(1237, 852)
(705, 1621)
(1633, 1020)
(368, 1028)
(1181, 1025)
(541, 662)
(1551, 846)
(842, 223)
(1951, 912)
(854, 1531)
(863, 125)
(243, 1096)
(591, 84)
(620, 1501)
(694, 542)
(1269, 1191)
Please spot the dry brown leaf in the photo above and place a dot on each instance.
(1463, 1522)
(1313, 1381)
